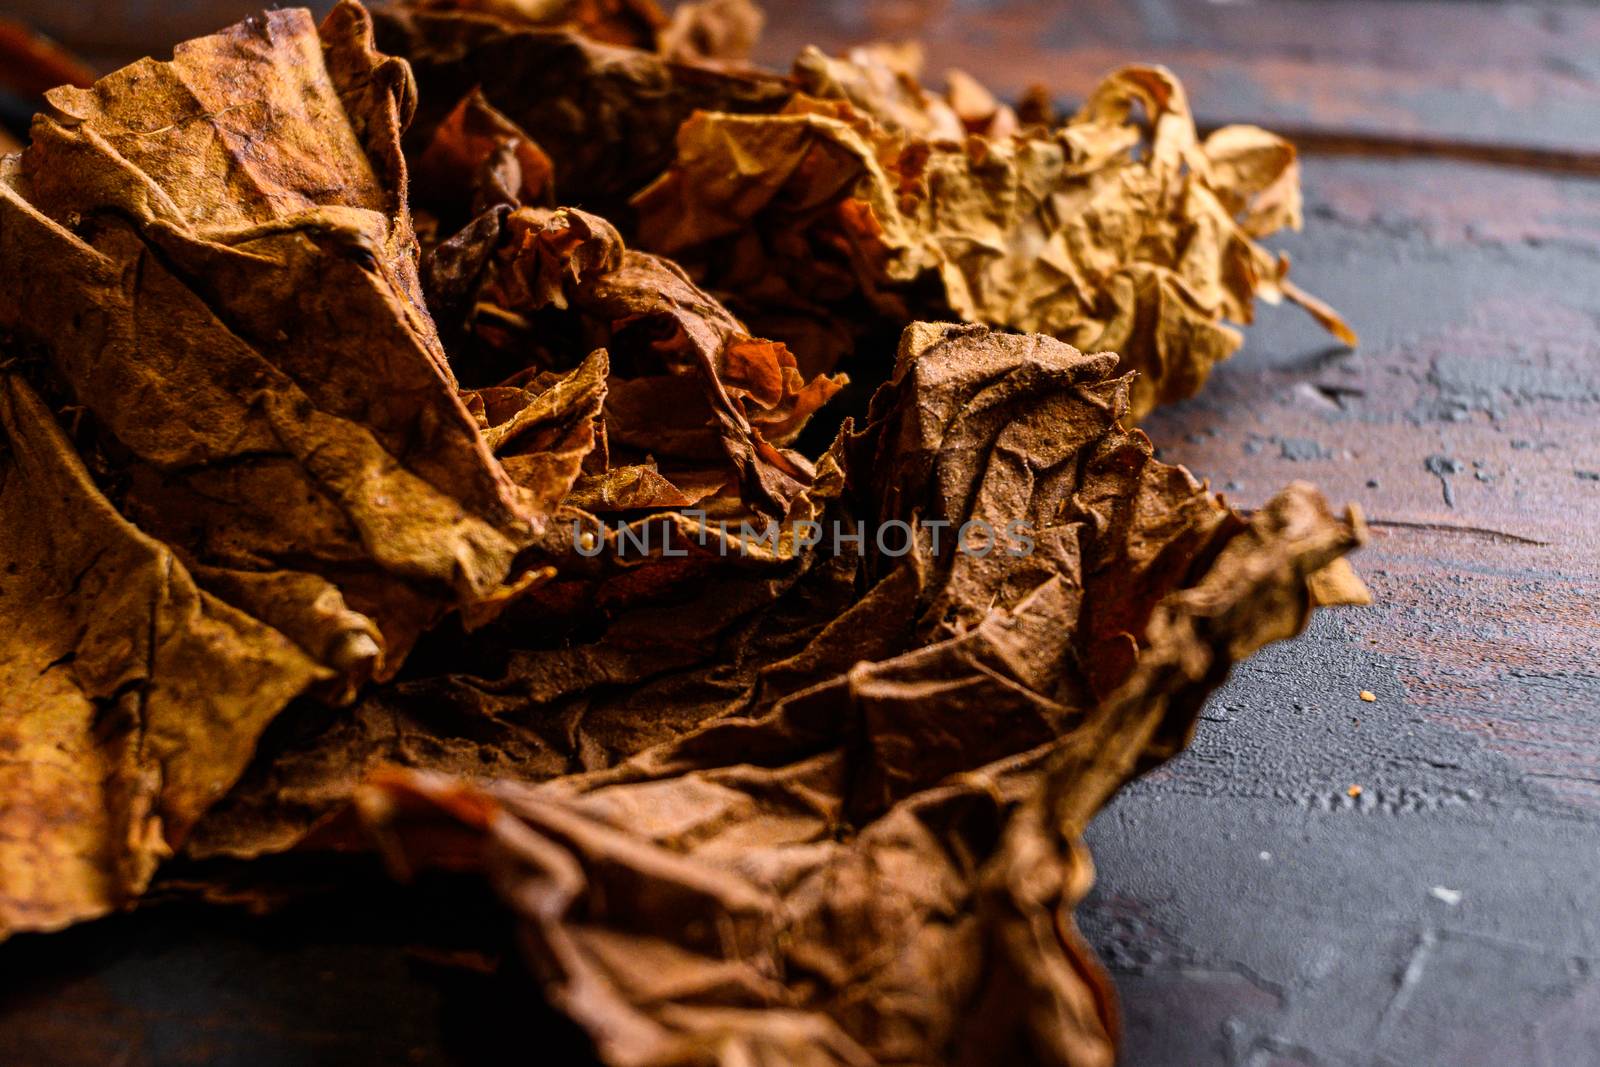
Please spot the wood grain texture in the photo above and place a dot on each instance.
(1509, 76)
(1254, 911)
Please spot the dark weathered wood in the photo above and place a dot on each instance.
(1463, 77)
(358, 972)
(1254, 911)
(1461, 73)
(1481, 74)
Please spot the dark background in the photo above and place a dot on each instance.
(1253, 912)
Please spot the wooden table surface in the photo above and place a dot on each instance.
(1253, 912)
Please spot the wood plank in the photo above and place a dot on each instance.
(1255, 912)
(359, 971)
(1500, 74)
(1465, 426)
(1461, 74)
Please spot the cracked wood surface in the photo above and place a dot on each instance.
(1431, 72)
(1254, 912)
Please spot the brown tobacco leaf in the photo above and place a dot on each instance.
(541, 692)
(869, 195)
(606, 116)
(869, 855)
(756, 797)
(633, 23)
(640, 486)
(543, 427)
(212, 262)
(698, 30)
(688, 383)
(478, 151)
(714, 30)
(130, 699)
(881, 80)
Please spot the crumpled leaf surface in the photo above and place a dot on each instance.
(687, 383)
(873, 860)
(621, 22)
(712, 31)
(607, 116)
(691, 639)
(1108, 232)
(533, 587)
(697, 30)
(214, 265)
(211, 274)
(130, 698)
(479, 151)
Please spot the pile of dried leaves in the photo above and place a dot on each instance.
(308, 373)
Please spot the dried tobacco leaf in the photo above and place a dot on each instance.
(959, 436)
(869, 194)
(623, 648)
(698, 30)
(214, 265)
(867, 860)
(822, 223)
(130, 699)
(478, 152)
(621, 22)
(620, 651)
(607, 116)
(688, 385)
(542, 704)
(712, 30)
(881, 80)
(754, 795)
